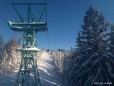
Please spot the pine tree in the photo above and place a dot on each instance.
(10, 56)
(1, 46)
(94, 64)
(111, 40)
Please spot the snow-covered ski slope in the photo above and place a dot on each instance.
(47, 71)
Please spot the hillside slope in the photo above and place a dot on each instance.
(48, 74)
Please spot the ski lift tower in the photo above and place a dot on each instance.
(28, 74)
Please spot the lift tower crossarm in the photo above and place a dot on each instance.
(28, 74)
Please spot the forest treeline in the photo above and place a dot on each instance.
(9, 58)
(91, 63)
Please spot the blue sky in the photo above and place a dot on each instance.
(64, 20)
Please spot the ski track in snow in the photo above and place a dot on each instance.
(47, 72)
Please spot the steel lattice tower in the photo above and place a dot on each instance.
(28, 74)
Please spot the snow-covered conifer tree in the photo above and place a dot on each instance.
(1, 46)
(10, 56)
(110, 44)
(94, 64)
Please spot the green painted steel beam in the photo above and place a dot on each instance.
(20, 17)
(37, 26)
(28, 74)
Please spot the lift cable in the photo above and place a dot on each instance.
(32, 15)
(4, 19)
(42, 13)
(46, 22)
(17, 12)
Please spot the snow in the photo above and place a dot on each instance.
(27, 22)
(47, 72)
(8, 80)
(28, 49)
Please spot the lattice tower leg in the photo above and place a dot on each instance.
(28, 74)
